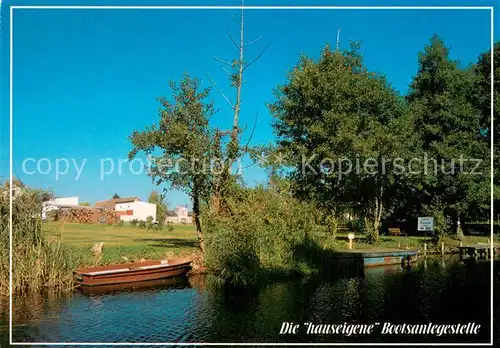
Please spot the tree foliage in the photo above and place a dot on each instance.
(332, 114)
(427, 153)
(482, 98)
(182, 145)
(449, 123)
(161, 207)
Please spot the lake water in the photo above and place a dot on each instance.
(437, 291)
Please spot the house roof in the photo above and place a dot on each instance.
(125, 200)
(171, 213)
(110, 203)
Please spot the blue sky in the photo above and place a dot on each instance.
(85, 79)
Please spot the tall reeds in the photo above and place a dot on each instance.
(39, 262)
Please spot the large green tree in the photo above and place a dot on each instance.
(182, 144)
(340, 128)
(483, 99)
(450, 128)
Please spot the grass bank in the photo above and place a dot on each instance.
(412, 242)
(121, 243)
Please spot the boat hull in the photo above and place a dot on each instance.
(129, 275)
(135, 286)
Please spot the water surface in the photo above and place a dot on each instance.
(437, 291)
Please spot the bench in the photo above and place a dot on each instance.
(395, 231)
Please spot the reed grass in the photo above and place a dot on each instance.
(39, 262)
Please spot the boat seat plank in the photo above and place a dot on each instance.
(151, 267)
(108, 272)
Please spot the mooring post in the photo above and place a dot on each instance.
(350, 236)
(442, 248)
(425, 249)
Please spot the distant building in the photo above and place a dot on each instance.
(131, 208)
(57, 203)
(179, 215)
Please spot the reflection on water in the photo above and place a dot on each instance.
(431, 291)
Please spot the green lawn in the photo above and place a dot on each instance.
(122, 243)
(413, 242)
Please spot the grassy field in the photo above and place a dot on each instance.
(122, 243)
(126, 243)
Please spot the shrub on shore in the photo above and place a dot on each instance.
(39, 262)
(262, 234)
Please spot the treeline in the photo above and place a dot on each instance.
(423, 154)
(347, 144)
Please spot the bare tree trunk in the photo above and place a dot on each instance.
(379, 210)
(239, 83)
(196, 213)
(375, 215)
(233, 149)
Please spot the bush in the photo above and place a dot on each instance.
(159, 225)
(262, 233)
(51, 215)
(149, 222)
(142, 224)
(134, 222)
(372, 235)
(332, 225)
(442, 223)
(357, 225)
(121, 223)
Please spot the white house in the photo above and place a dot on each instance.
(179, 215)
(135, 210)
(129, 209)
(59, 202)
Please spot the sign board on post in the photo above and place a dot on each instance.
(425, 223)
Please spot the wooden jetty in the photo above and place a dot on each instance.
(377, 257)
(478, 251)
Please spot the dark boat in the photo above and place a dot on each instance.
(130, 275)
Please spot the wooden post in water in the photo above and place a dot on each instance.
(442, 248)
(425, 249)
